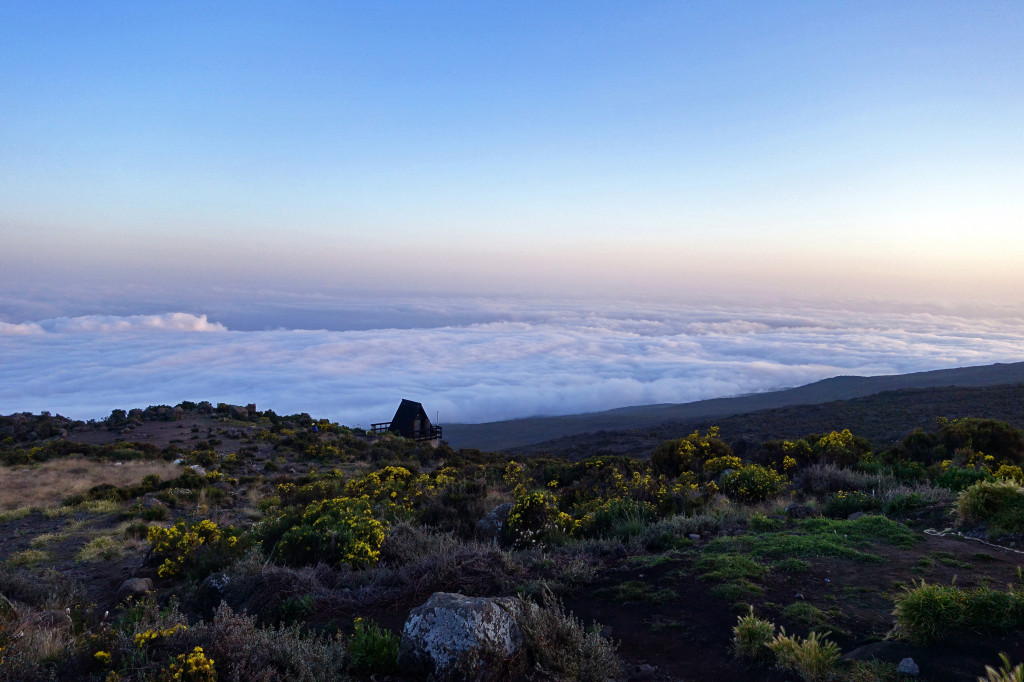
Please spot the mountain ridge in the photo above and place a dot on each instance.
(519, 433)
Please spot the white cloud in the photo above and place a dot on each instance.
(553, 360)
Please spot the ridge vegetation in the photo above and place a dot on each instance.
(202, 542)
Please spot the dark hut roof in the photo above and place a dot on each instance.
(405, 417)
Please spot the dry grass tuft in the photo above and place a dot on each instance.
(46, 484)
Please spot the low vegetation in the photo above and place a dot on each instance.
(291, 548)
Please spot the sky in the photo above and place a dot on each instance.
(402, 169)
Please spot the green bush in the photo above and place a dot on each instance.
(372, 649)
(338, 531)
(960, 478)
(535, 518)
(753, 483)
(1000, 504)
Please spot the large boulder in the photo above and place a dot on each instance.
(238, 412)
(488, 529)
(453, 636)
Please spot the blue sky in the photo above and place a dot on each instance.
(645, 148)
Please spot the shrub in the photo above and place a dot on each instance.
(960, 478)
(338, 531)
(372, 649)
(813, 658)
(197, 547)
(558, 644)
(759, 523)
(751, 636)
(844, 503)
(753, 483)
(535, 518)
(997, 503)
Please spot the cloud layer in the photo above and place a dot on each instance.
(517, 361)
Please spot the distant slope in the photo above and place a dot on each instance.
(518, 433)
(883, 418)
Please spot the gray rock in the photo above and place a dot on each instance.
(211, 592)
(452, 635)
(695, 536)
(854, 516)
(890, 651)
(488, 529)
(908, 667)
(238, 412)
(134, 587)
(800, 511)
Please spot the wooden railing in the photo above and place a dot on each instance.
(429, 433)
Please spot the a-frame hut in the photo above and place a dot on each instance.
(411, 421)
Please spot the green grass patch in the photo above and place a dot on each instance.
(654, 560)
(14, 514)
(637, 591)
(103, 548)
(727, 566)
(735, 590)
(806, 613)
(950, 559)
(27, 558)
(821, 538)
(790, 565)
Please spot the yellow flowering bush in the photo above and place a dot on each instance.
(534, 518)
(183, 544)
(338, 531)
(753, 483)
(190, 667)
(147, 636)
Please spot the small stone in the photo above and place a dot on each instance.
(134, 587)
(908, 667)
(854, 516)
(695, 536)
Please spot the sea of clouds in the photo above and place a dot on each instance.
(479, 360)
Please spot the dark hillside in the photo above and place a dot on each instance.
(519, 433)
(884, 419)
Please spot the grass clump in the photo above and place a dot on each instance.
(103, 548)
(751, 636)
(813, 658)
(806, 613)
(1005, 673)
(728, 566)
(1000, 504)
(928, 613)
(27, 557)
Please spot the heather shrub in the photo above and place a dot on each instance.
(559, 646)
